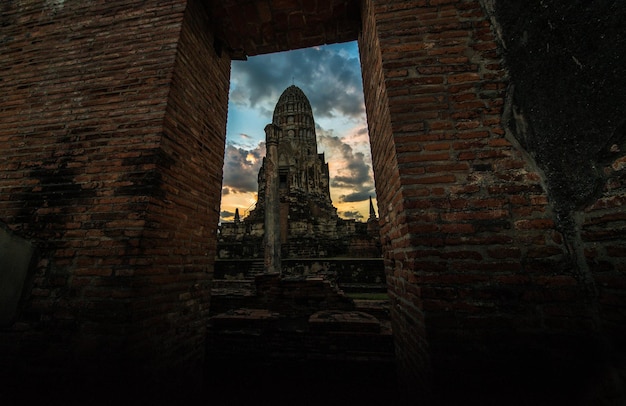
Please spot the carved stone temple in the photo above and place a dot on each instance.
(307, 222)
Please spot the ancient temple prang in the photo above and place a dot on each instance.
(307, 221)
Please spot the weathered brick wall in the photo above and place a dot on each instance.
(178, 250)
(573, 126)
(112, 118)
(406, 309)
(475, 266)
(602, 243)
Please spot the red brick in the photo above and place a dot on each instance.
(112, 130)
(437, 147)
(432, 179)
(616, 250)
(539, 224)
(544, 252)
(462, 255)
(447, 168)
(459, 228)
(463, 77)
(474, 215)
(424, 157)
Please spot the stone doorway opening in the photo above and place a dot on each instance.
(302, 330)
(113, 167)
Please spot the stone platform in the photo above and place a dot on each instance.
(279, 319)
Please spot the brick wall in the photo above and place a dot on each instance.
(477, 271)
(112, 119)
(407, 317)
(179, 246)
(601, 245)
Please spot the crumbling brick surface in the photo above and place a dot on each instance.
(471, 244)
(111, 166)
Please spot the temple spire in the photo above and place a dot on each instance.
(237, 218)
(372, 212)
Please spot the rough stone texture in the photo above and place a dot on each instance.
(334, 320)
(573, 51)
(302, 320)
(299, 296)
(573, 138)
(343, 270)
(302, 179)
(272, 236)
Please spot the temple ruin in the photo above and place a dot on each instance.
(305, 222)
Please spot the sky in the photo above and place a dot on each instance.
(330, 77)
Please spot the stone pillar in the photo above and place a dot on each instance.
(272, 201)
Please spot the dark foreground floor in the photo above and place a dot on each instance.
(226, 383)
(311, 383)
(315, 383)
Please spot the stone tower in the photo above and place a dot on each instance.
(306, 209)
(307, 220)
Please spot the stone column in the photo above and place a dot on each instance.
(272, 201)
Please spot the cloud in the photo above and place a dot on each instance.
(224, 214)
(351, 173)
(243, 141)
(241, 167)
(352, 215)
(363, 194)
(329, 76)
(359, 136)
(354, 173)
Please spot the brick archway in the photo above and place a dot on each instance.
(103, 112)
